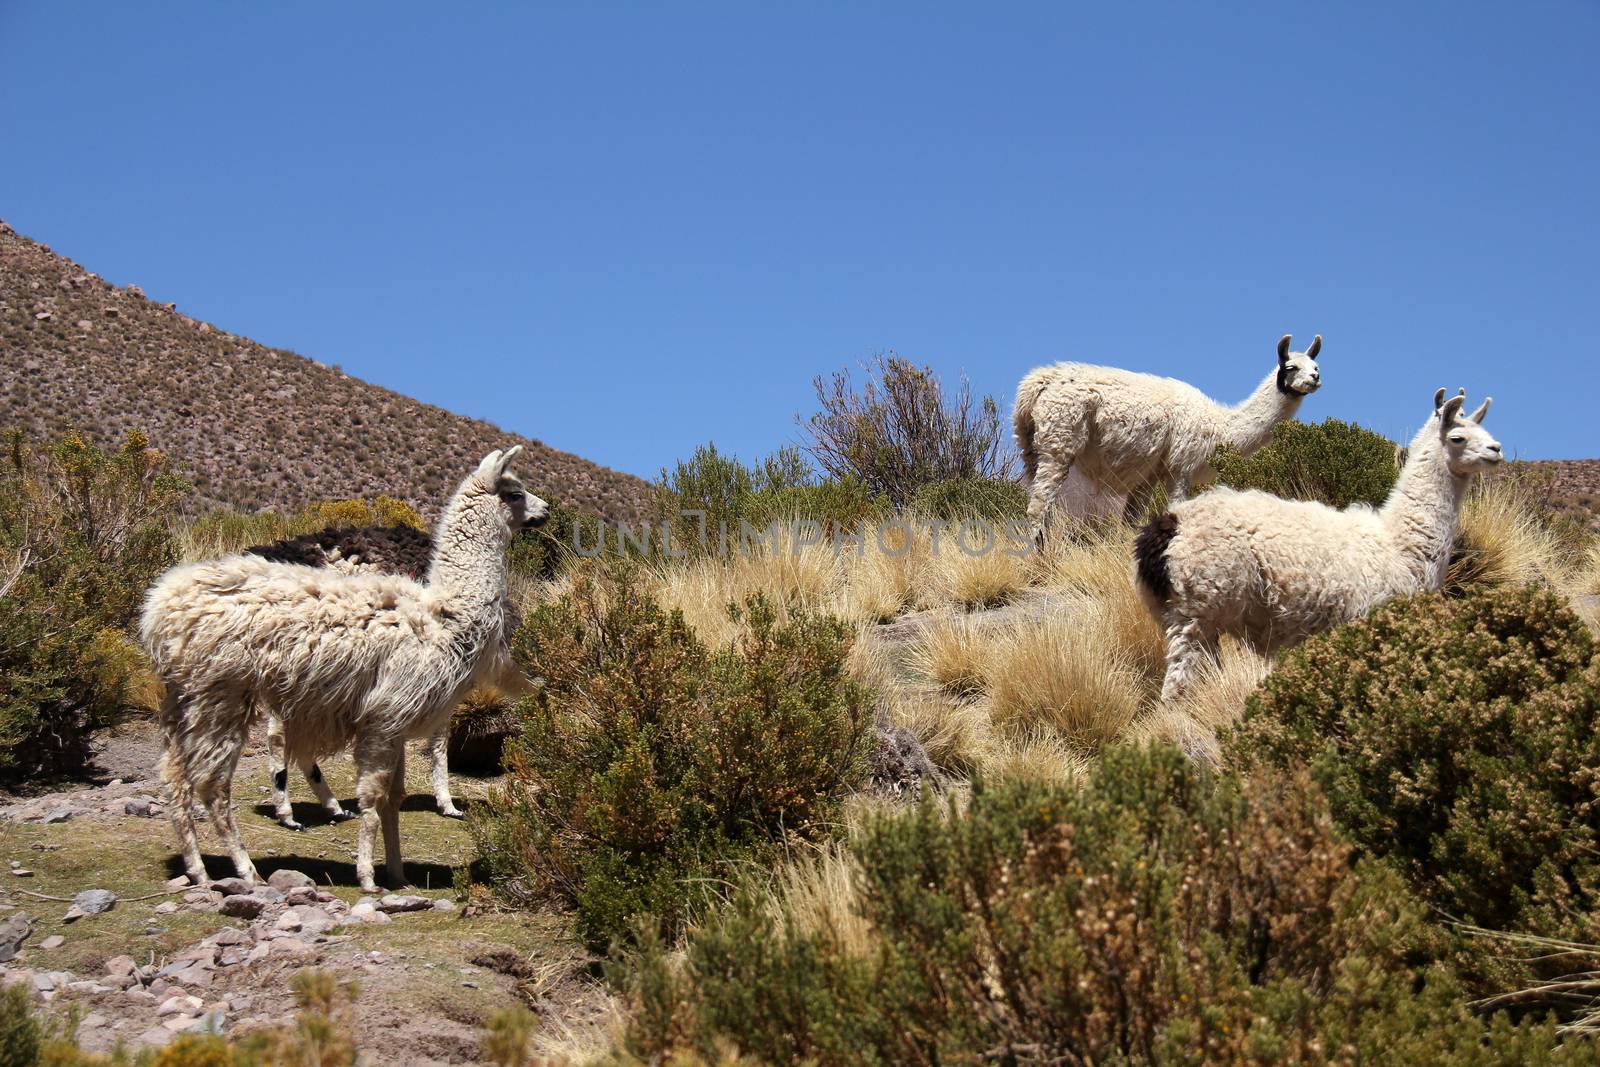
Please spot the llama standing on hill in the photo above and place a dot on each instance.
(391, 550)
(1275, 571)
(1128, 432)
(363, 659)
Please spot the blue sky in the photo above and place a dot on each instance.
(626, 229)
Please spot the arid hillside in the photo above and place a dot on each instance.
(255, 427)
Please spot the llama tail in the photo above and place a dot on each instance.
(1150, 556)
(1022, 418)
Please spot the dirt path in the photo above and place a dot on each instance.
(181, 958)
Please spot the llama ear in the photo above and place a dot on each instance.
(490, 464)
(1283, 348)
(1314, 347)
(506, 457)
(1438, 399)
(1451, 409)
(1483, 409)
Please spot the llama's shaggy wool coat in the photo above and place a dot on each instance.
(1275, 571)
(1128, 432)
(384, 549)
(368, 659)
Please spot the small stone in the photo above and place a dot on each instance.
(43, 983)
(243, 907)
(288, 921)
(166, 907)
(95, 901)
(179, 1023)
(85, 988)
(22, 872)
(180, 1004)
(362, 908)
(394, 902)
(13, 932)
(231, 957)
(286, 879)
(231, 887)
(59, 815)
(259, 953)
(268, 894)
(444, 905)
(230, 935)
(121, 981)
(53, 941)
(121, 965)
(155, 1036)
(379, 918)
(301, 894)
(211, 1022)
(139, 996)
(180, 882)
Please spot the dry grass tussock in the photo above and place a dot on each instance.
(1215, 701)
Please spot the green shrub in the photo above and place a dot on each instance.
(19, 1030)
(1459, 740)
(1151, 915)
(839, 504)
(541, 554)
(1338, 463)
(991, 499)
(650, 764)
(83, 533)
(724, 491)
(901, 432)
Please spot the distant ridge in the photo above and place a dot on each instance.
(254, 427)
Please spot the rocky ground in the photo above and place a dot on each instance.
(94, 914)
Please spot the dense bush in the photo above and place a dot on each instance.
(649, 763)
(1151, 915)
(1457, 739)
(901, 432)
(1338, 463)
(83, 533)
(991, 499)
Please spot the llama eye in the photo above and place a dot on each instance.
(1457, 439)
(511, 497)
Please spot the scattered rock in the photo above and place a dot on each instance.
(181, 1004)
(59, 815)
(394, 902)
(13, 932)
(231, 935)
(139, 996)
(90, 902)
(444, 905)
(143, 807)
(155, 1037)
(179, 1023)
(22, 872)
(302, 894)
(286, 879)
(53, 941)
(288, 921)
(180, 882)
(243, 907)
(166, 907)
(231, 887)
(212, 1022)
(119, 965)
(43, 983)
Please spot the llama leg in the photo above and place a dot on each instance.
(437, 746)
(375, 767)
(278, 762)
(389, 814)
(1188, 643)
(1047, 481)
(180, 810)
(325, 797)
(217, 792)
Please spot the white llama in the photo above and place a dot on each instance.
(1275, 571)
(341, 659)
(1128, 432)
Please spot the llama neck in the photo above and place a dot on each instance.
(1421, 511)
(469, 560)
(1248, 425)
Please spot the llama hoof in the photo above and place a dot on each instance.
(452, 812)
(342, 815)
(291, 824)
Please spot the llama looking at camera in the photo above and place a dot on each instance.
(1276, 571)
(1127, 432)
(388, 550)
(367, 660)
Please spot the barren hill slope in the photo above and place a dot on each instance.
(254, 426)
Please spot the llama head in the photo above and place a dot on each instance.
(518, 507)
(1468, 447)
(1298, 373)
(495, 480)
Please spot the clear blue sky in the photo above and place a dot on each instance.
(627, 229)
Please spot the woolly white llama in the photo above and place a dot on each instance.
(385, 549)
(341, 659)
(1275, 571)
(1127, 432)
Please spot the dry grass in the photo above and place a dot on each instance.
(1216, 700)
(1503, 541)
(956, 576)
(817, 893)
(1038, 755)
(1099, 566)
(958, 735)
(950, 655)
(1072, 674)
